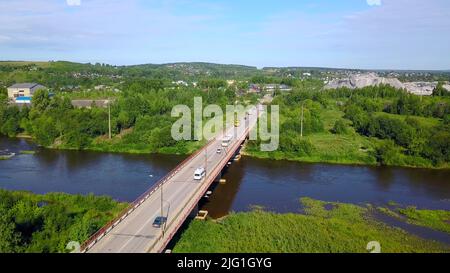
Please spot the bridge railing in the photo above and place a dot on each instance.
(93, 239)
(212, 174)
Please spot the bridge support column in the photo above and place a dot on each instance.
(194, 212)
(218, 177)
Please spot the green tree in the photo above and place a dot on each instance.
(9, 239)
(41, 100)
(340, 127)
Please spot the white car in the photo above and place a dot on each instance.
(226, 140)
(199, 173)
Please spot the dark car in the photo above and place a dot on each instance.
(159, 221)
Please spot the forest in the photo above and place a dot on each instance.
(374, 125)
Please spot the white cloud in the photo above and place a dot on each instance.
(73, 2)
(4, 38)
(374, 2)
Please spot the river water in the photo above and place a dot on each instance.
(275, 185)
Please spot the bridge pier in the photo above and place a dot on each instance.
(194, 212)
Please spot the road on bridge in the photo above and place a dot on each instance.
(181, 193)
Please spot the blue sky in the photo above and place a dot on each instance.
(378, 34)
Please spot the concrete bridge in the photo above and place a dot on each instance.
(175, 196)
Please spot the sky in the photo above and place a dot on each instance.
(365, 34)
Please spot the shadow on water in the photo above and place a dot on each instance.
(220, 203)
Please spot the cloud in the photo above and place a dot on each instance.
(4, 38)
(405, 34)
(408, 34)
(73, 2)
(374, 2)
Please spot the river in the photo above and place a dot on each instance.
(274, 185)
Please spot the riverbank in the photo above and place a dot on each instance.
(46, 223)
(324, 228)
(335, 160)
(330, 149)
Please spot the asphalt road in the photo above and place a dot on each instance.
(135, 234)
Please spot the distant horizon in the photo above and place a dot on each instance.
(232, 64)
(360, 34)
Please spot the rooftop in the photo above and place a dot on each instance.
(25, 85)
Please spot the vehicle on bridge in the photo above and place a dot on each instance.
(159, 221)
(226, 141)
(199, 173)
(219, 150)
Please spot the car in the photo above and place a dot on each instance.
(199, 173)
(226, 141)
(159, 221)
(219, 150)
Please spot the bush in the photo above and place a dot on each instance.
(340, 127)
(387, 153)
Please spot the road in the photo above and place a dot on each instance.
(135, 233)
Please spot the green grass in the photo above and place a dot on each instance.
(46, 223)
(180, 149)
(350, 148)
(328, 148)
(435, 219)
(24, 63)
(343, 229)
(27, 152)
(425, 122)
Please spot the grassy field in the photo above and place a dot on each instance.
(434, 219)
(425, 122)
(325, 228)
(27, 152)
(24, 63)
(350, 148)
(183, 148)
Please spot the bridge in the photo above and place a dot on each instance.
(175, 196)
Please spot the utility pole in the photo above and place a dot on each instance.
(109, 119)
(301, 124)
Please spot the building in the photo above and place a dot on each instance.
(22, 92)
(254, 88)
(285, 88)
(270, 87)
(273, 87)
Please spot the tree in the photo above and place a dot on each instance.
(387, 153)
(440, 91)
(9, 239)
(41, 100)
(438, 147)
(340, 127)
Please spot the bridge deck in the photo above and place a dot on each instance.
(134, 232)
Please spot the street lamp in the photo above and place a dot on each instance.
(162, 206)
